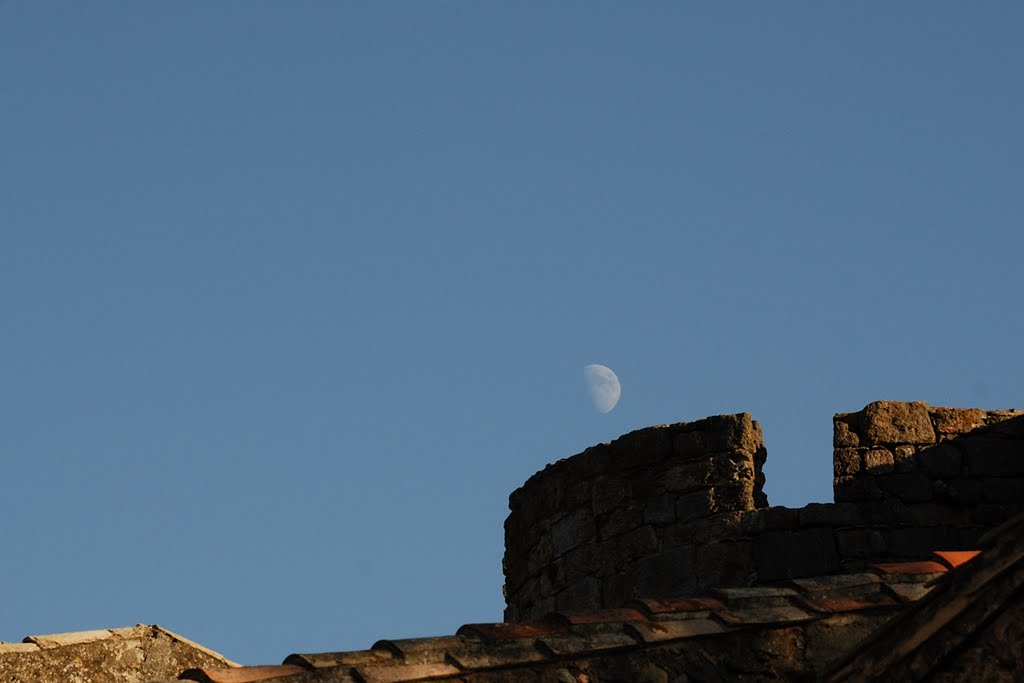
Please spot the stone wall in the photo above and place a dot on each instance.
(962, 466)
(587, 529)
(676, 509)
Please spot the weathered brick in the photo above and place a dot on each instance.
(903, 458)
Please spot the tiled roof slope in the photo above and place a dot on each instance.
(970, 628)
(792, 630)
(137, 654)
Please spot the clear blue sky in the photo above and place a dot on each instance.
(294, 294)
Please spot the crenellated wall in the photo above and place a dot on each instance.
(675, 509)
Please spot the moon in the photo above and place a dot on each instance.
(603, 386)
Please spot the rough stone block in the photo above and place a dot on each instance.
(583, 595)
(694, 505)
(725, 564)
(618, 589)
(661, 510)
(878, 461)
(910, 487)
(994, 457)
(855, 489)
(732, 432)
(1005, 423)
(688, 476)
(843, 436)
(540, 555)
(571, 531)
(1004, 490)
(860, 543)
(943, 460)
(892, 422)
(829, 514)
(795, 554)
(619, 521)
(956, 420)
(689, 444)
(668, 574)
(609, 492)
(776, 518)
(736, 497)
(964, 490)
(846, 462)
(636, 543)
(643, 447)
(903, 458)
(920, 542)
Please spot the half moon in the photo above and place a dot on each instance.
(603, 386)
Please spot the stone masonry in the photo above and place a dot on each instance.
(675, 509)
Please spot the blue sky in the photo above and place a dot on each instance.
(295, 294)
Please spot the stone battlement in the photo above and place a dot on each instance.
(675, 509)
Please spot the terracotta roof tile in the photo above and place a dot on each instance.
(487, 654)
(245, 674)
(758, 616)
(388, 673)
(334, 659)
(584, 641)
(909, 592)
(657, 606)
(955, 558)
(838, 585)
(421, 650)
(673, 629)
(851, 603)
(504, 631)
(925, 567)
(597, 616)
